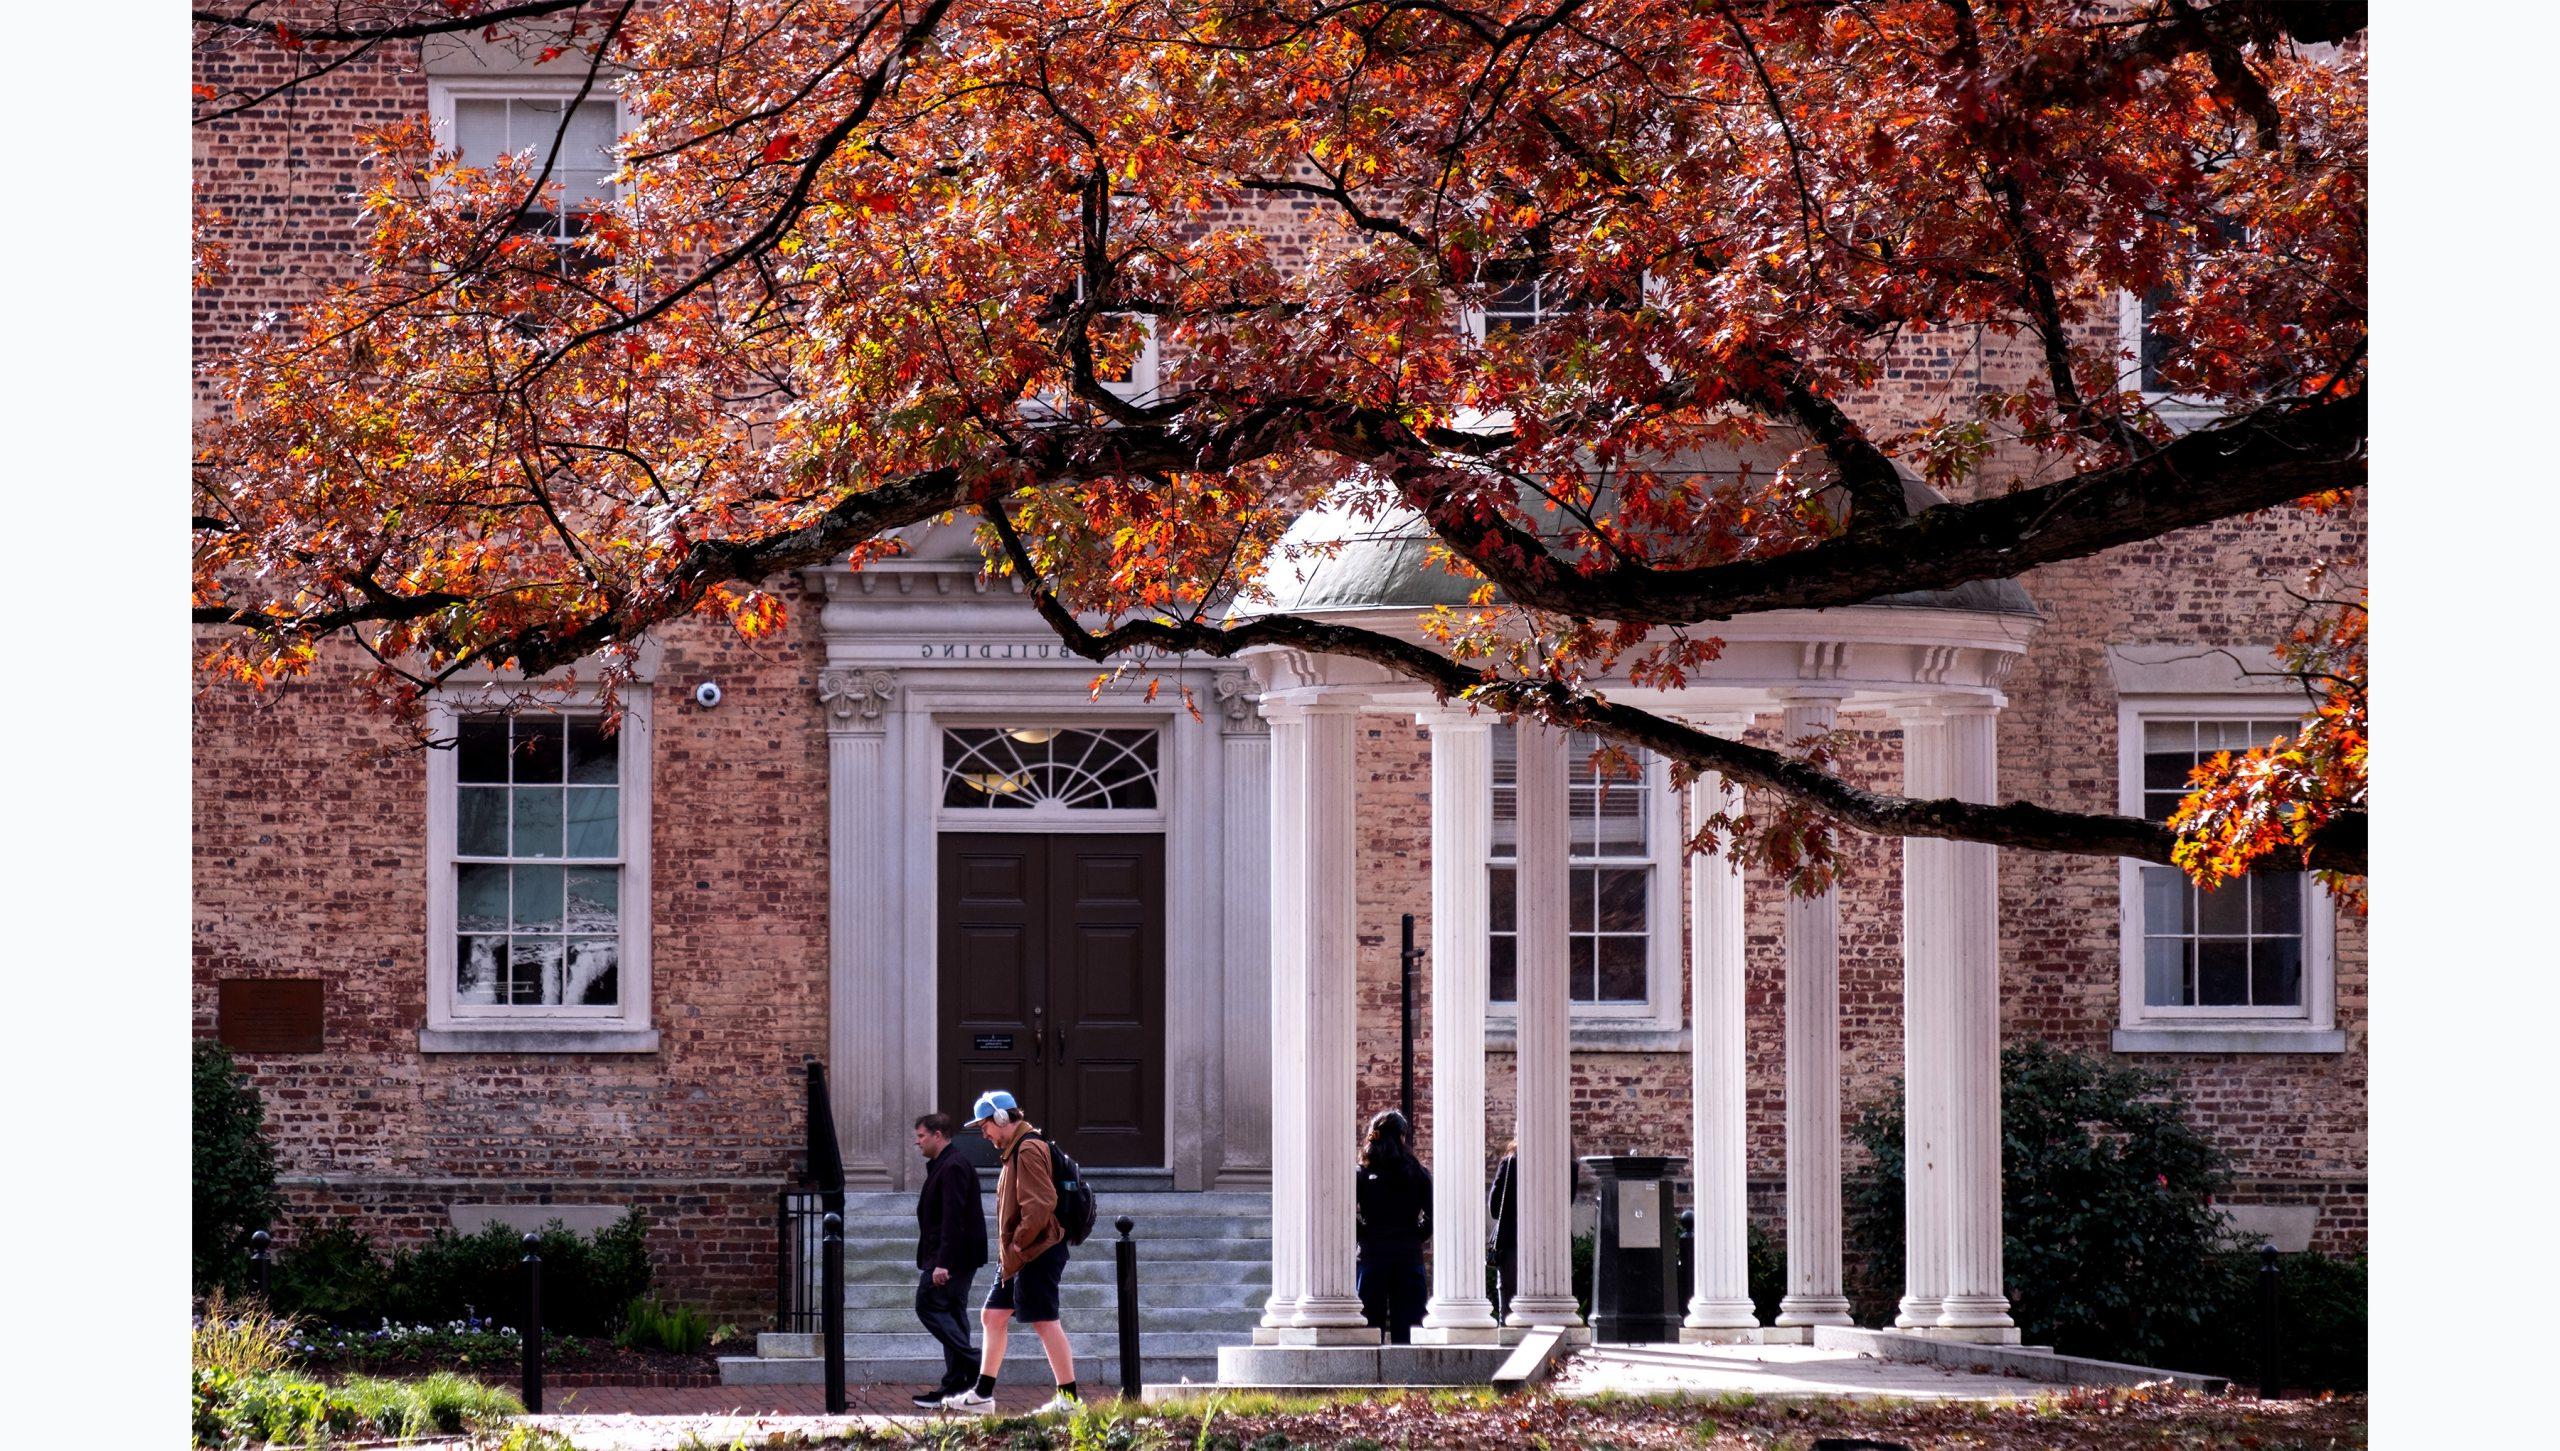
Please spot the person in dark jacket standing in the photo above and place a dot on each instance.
(1503, 1204)
(1393, 1193)
(951, 1243)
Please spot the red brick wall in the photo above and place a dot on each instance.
(310, 862)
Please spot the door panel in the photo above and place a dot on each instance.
(1051, 983)
(1106, 990)
(994, 935)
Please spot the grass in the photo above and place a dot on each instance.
(277, 1406)
(243, 1338)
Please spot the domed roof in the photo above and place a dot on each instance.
(1383, 562)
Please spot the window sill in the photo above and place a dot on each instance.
(550, 1038)
(2225, 1038)
(1599, 1037)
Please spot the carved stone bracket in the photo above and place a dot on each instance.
(855, 698)
(1236, 691)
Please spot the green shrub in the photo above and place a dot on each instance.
(654, 1325)
(333, 1276)
(2323, 1323)
(586, 1283)
(234, 1170)
(2107, 1206)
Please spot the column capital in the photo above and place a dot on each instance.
(857, 699)
(1457, 716)
(1811, 694)
(1240, 700)
(1946, 707)
(1296, 708)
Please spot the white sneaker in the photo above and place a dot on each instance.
(969, 1403)
(1060, 1404)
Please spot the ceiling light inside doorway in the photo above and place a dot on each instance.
(1033, 735)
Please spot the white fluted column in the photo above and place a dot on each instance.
(1973, 1307)
(1288, 861)
(1926, 886)
(1544, 1057)
(1720, 1299)
(1328, 1307)
(1461, 921)
(1814, 1288)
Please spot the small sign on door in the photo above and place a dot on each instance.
(992, 1042)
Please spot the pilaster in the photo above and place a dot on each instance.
(865, 969)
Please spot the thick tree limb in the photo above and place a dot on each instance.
(2019, 824)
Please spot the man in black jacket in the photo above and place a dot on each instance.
(951, 1243)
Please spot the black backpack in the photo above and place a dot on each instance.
(1076, 1211)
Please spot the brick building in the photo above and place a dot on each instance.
(728, 890)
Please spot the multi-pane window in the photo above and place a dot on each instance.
(488, 127)
(537, 862)
(1609, 865)
(2240, 947)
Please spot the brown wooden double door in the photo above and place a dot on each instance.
(1051, 985)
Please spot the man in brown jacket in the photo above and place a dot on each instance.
(1031, 1255)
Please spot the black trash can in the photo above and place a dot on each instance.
(1635, 1272)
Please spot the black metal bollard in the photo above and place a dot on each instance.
(831, 1307)
(258, 1260)
(533, 1323)
(1125, 1262)
(2270, 1325)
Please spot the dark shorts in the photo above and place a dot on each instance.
(1032, 1294)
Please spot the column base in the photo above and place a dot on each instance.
(1485, 1334)
(1544, 1310)
(1787, 1335)
(1812, 1310)
(1720, 1315)
(1913, 1314)
(1720, 1335)
(1330, 1335)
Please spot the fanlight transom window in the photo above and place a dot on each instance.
(1047, 768)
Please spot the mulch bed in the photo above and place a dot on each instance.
(2068, 1421)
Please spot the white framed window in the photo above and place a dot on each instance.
(482, 118)
(1622, 963)
(2142, 347)
(2249, 967)
(537, 878)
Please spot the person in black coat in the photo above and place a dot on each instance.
(1393, 1193)
(951, 1243)
(1502, 1204)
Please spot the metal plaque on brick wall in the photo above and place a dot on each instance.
(268, 1014)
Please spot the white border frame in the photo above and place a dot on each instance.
(537, 1030)
(2143, 1028)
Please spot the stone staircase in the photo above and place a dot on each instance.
(1204, 1270)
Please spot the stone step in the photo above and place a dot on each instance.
(1151, 1317)
(1086, 1299)
(901, 1228)
(1184, 1260)
(1091, 1343)
(926, 1370)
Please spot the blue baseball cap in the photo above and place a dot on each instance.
(987, 1104)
